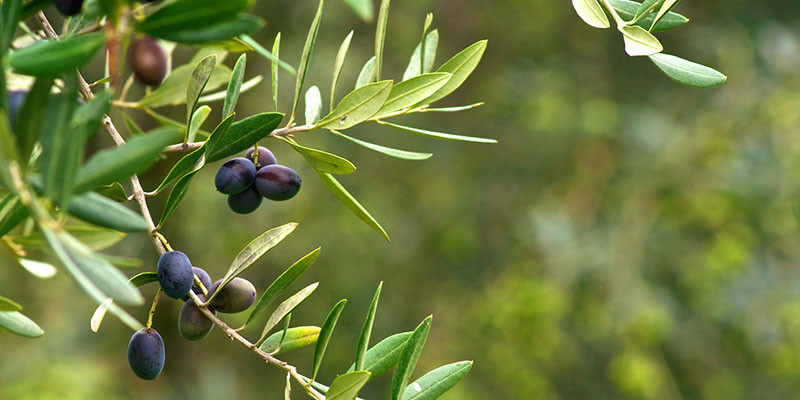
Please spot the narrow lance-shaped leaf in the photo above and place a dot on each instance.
(665, 8)
(190, 162)
(325, 335)
(218, 34)
(647, 7)
(273, 57)
(113, 165)
(253, 251)
(295, 338)
(102, 211)
(323, 161)
(93, 237)
(454, 109)
(367, 74)
(62, 149)
(438, 135)
(196, 122)
(313, 105)
(198, 81)
(358, 106)
(285, 308)
(175, 197)
(380, 36)
(7, 304)
(173, 90)
(52, 57)
(640, 42)
(366, 330)
(350, 202)
(461, 66)
(337, 66)
(18, 324)
(138, 280)
(435, 383)
(12, 213)
(234, 86)
(687, 72)
(281, 283)
(591, 13)
(409, 92)
(427, 58)
(305, 58)
(627, 10)
(10, 12)
(362, 7)
(38, 269)
(346, 387)
(241, 135)
(409, 357)
(401, 154)
(276, 48)
(422, 54)
(28, 125)
(384, 355)
(189, 14)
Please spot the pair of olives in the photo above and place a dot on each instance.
(176, 275)
(246, 180)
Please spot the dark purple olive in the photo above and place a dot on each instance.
(148, 61)
(146, 353)
(245, 202)
(277, 182)
(68, 7)
(265, 157)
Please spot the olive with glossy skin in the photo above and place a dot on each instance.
(68, 7)
(192, 324)
(175, 274)
(238, 295)
(148, 61)
(146, 353)
(265, 157)
(245, 202)
(204, 277)
(277, 182)
(235, 175)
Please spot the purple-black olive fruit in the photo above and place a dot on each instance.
(175, 274)
(235, 175)
(265, 157)
(148, 61)
(277, 182)
(146, 353)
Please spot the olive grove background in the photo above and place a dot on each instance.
(627, 238)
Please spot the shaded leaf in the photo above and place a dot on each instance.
(93, 237)
(350, 202)
(402, 154)
(197, 82)
(254, 250)
(380, 36)
(214, 33)
(276, 47)
(30, 118)
(173, 90)
(346, 387)
(138, 281)
(323, 161)
(113, 165)
(286, 308)
(687, 72)
(281, 283)
(234, 86)
(338, 64)
(188, 163)
(189, 14)
(7, 304)
(439, 135)
(62, 149)
(665, 8)
(358, 106)
(384, 355)
(51, 57)
(431, 45)
(12, 213)
(367, 74)
(461, 66)
(175, 197)
(241, 135)
(295, 338)
(325, 335)
(409, 92)
(18, 324)
(114, 191)
(409, 357)
(305, 58)
(627, 10)
(366, 330)
(435, 383)
(107, 213)
(591, 13)
(197, 120)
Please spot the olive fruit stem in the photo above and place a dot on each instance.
(199, 283)
(163, 240)
(153, 308)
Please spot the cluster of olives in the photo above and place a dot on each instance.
(176, 275)
(246, 180)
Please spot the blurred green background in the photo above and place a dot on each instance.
(627, 238)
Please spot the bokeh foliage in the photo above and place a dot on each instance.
(626, 238)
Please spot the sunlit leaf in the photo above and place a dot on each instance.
(409, 92)
(380, 36)
(431, 45)
(439, 135)
(338, 64)
(234, 86)
(7, 304)
(295, 338)
(358, 106)
(367, 74)
(18, 324)
(38, 269)
(591, 13)
(323, 161)
(285, 308)
(366, 330)
(639, 42)
(241, 135)
(313, 105)
(409, 357)
(435, 383)
(384, 355)
(687, 72)
(402, 154)
(305, 58)
(461, 66)
(325, 335)
(346, 387)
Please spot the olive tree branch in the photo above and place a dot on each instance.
(155, 236)
(234, 335)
